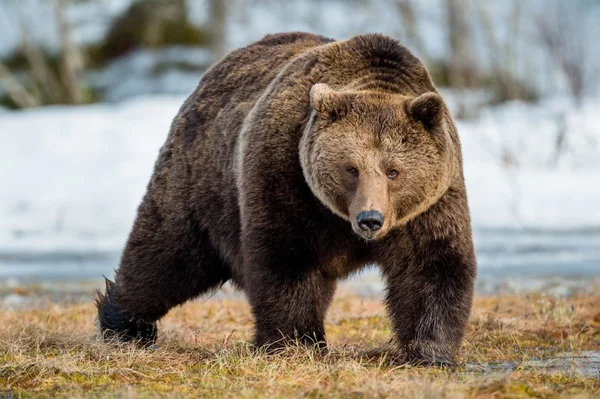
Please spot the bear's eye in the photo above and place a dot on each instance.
(352, 171)
(392, 174)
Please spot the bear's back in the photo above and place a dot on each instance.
(239, 79)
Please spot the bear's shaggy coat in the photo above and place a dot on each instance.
(251, 186)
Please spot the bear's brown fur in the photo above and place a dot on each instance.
(297, 161)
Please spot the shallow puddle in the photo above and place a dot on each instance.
(586, 363)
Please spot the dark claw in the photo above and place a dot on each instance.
(436, 362)
(418, 357)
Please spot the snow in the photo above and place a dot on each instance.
(72, 177)
(512, 174)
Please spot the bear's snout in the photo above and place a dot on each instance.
(370, 221)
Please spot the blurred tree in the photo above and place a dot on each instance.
(72, 62)
(217, 28)
(15, 91)
(561, 31)
(150, 24)
(462, 70)
(503, 77)
(45, 78)
(182, 9)
(406, 9)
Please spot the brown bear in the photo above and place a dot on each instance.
(297, 161)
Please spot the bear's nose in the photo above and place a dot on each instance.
(370, 220)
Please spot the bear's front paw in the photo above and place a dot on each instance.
(276, 343)
(429, 354)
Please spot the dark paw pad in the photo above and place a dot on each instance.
(113, 323)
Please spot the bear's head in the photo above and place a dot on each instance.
(376, 159)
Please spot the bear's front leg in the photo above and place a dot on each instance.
(429, 292)
(289, 295)
(289, 309)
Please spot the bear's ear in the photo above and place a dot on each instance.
(325, 101)
(427, 108)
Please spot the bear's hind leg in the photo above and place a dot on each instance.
(112, 321)
(164, 264)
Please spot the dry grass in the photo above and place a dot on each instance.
(51, 351)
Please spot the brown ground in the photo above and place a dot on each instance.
(51, 351)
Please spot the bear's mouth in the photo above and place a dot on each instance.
(366, 234)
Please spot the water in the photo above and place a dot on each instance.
(507, 258)
(534, 253)
(585, 363)
(57, 266)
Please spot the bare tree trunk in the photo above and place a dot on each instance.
(462, 70)
(45, 85)
(410, 24)
(42, 74)
(217, 27)
(503, 54)
(562, 35)
(15, 90)
(72, 59)
(182, 9)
